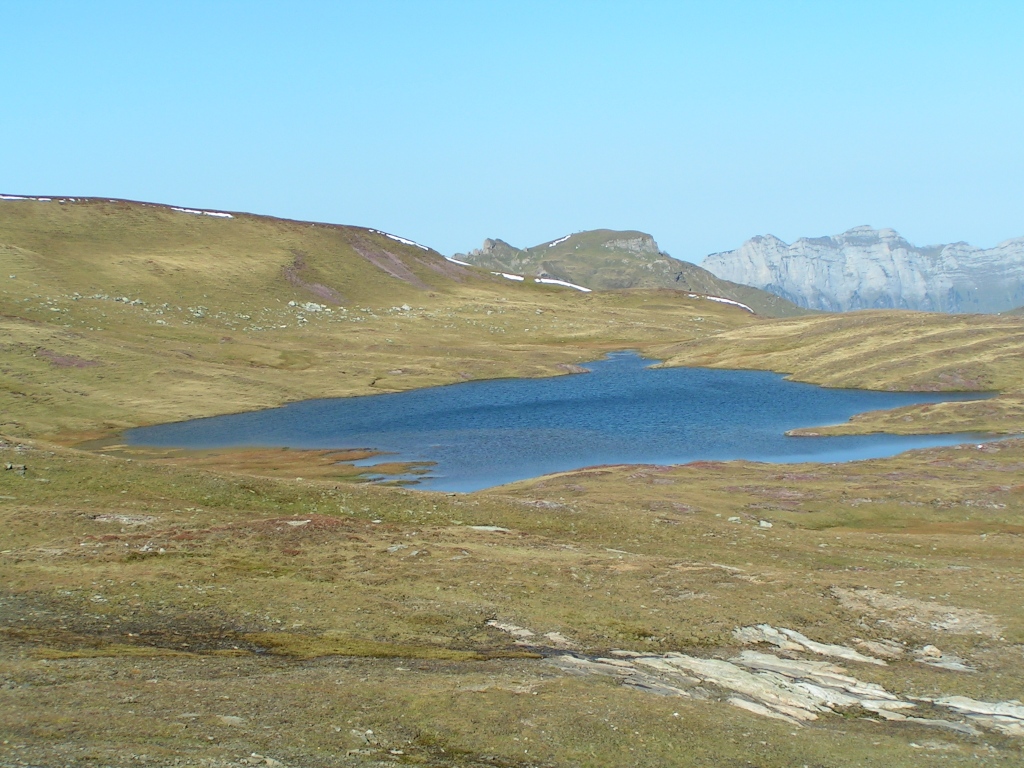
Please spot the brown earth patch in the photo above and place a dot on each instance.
(387, 262)
(284, 463)
(293, 274)
(911, 612)
(65, 361)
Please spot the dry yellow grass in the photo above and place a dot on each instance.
(215, 585)
(887, 350)
(168, 607)
(224, 322)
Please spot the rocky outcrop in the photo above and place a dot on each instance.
(782, 685)
(792, 689)
(608, 260)
(637, 245)
(865, 268)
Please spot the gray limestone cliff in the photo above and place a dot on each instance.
(865, 268)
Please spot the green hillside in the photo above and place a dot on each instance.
(117, 313)
(169, 255)
(269, 607)
(893, 350)
(606, 260)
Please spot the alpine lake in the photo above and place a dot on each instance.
(473, 435)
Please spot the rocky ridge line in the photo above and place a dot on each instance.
(865, 268)
(607, 260)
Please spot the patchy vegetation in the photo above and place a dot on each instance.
(263, 607)
(120, 314)
(911, 351)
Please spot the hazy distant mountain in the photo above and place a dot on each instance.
(605, 259)
(865, 268)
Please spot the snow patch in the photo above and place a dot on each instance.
(720, 300)
(456, 261)
(519, 278)
(402, 240)
(20, 197)
(553, 243)
(550, 281)
(196, 212)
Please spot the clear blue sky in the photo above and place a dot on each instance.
(703, 123)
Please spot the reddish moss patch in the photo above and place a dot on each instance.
(65, 361)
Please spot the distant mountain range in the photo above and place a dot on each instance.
(866, 268)
(605, 259)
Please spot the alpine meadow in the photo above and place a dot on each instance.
(272, 606)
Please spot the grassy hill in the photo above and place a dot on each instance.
(263, 607)
(117, 313)
(896, 350)
(604, 260)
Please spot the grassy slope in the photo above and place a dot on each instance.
(585, 259)
(216, 333)
(143, 603)
(888, 350)
(149, 596)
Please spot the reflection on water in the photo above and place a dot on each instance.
(484, 433)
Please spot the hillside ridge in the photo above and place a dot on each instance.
(117, 314)
(607, 259)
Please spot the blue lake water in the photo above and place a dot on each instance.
(485, 433)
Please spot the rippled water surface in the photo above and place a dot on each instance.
(486, 433)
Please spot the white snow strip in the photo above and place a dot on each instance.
(456, 261)
(402, 240)
(406, 242)
(510, 277)
(20, 197)
(720, 300)
(559, 240)
(218, 214)
(549, 281)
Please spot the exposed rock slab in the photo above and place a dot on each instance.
(794, 690)
(791, 640)
(909, 612)
(1004, 716)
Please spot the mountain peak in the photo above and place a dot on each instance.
(609, 259)
(863, 229)
(868, 268)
